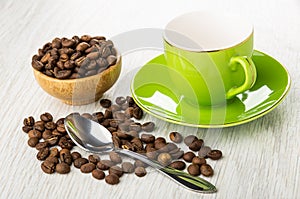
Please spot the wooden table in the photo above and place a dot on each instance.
(261, 158)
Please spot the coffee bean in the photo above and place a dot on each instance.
(105, 103)
(46, 117)
(188, 156)
(161, 146)
(32, 142)
(116, 141)
(204, 151)
(65, 143)
(148, 126)
(115, 157)
(179, 165)
(50, 125)
(138, 163)
(112, 179)
(164, 159)
(28, 121)
(56, 43)
(60, 121)
(47, 134)
(52, 141)
(137, 113)
(39, 125)
(196, 145)
(75, 155)
(189, 139)
(79, 162)
(105, 164)
(54, 152)
(137, 144)
(87, 168)
(140, 171)
(41, 145)
(135, 127)
(171, 147)
(149, 146)
(120, 100)
(116, 170)
(67, 42)
(82, 46)
(206, 170)
(65, 156)
(111, 59)
(194, 169)
(43, 154)
(175, 137)
(94, 159)
(37, 65)
(151, 153)
(48, 167)
(63, 74)
(127, 167)
(147, 138)
(98, 174)
(26, 129)
(62, 168)
(214, 154)
(52, 159)
(133, 134)
(129, 112)
(198, 160)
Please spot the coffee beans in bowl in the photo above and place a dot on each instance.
(77, 70)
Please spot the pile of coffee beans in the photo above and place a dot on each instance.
(76, 57)
(54, 146)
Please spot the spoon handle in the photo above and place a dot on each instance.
(190, 182)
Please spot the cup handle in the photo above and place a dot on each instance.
(250, 75)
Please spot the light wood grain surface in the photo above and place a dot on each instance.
(261, 158)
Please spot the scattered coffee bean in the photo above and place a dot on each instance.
(87, 168)
(180, 165)
(26, 129)
(34, 133)
(105, 103)
(41, 145)
(52, 159)
(194, 169)
(116, 170)
(115, 157)
(54, 152)
(204, 151)
(148, 126)
(28, 121)
(164, 159)
(39, 125)
(48, 167)
(112, 179)
(196, 145)
(62, 168)
(206, 170)
(175, 137)
(75, 155)
(98, 174)
(46, 117)
(137, 113)
(198, 160)
(65, 156)
(94, 159)
(188, 156)
(79, 162)
(32, 142)
(127, 167)
(120, 100)
(105, 164)
(140, 171)
(43, 153)
(189, 139)
(214, 154)
(138, 163)
(147, 138)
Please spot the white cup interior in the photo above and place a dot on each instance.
(204, 31)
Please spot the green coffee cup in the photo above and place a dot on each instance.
(213, 54)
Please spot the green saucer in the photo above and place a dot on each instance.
(154, 91)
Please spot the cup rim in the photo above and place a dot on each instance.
(246, 37)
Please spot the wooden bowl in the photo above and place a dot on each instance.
(83, 90)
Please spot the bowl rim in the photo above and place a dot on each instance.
(119, 58)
